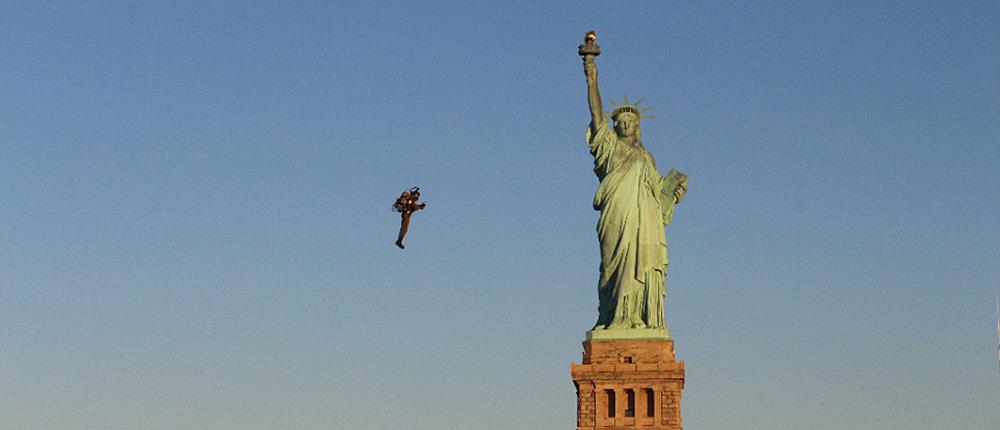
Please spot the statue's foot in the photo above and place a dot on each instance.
(599, 327)
(639, 325)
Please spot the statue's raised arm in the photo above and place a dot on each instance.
(588, 51)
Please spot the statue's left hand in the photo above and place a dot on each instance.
(679, 193)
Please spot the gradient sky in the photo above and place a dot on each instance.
(195, 224)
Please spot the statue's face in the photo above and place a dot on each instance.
(627, 125)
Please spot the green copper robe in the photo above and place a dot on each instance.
(634, 209)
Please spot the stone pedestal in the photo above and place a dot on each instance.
(628, 384)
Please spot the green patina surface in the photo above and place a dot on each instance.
(636, 203)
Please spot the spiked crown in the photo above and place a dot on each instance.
(632, 108)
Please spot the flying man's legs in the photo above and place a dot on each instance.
(404, 224)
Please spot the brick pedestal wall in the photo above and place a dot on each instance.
(628, 384)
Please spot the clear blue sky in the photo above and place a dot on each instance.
(195, 229)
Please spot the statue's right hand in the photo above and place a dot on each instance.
(590, 69)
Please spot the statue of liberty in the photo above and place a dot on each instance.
(636, 204)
